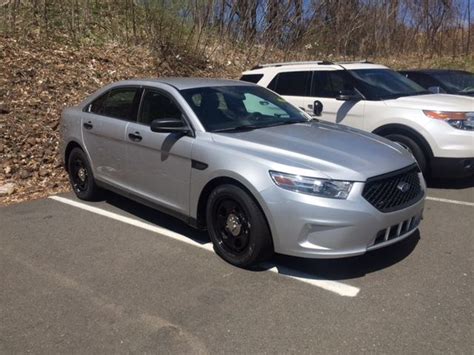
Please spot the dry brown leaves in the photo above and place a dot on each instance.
(37, 81)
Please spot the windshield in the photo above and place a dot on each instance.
(457, 81)
(234, 108)
(382, 84)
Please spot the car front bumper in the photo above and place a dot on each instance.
(449, 142)
(452, 167)
(314, 227)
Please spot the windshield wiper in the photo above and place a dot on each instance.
(281, 123)
(237, 129)
(252, 127)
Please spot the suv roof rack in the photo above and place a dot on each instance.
(364, 61)
(318, 62)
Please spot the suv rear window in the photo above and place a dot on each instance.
(294, 83)
(252, 78)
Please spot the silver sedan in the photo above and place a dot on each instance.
(239, 160)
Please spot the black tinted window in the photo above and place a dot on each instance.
(292, 83)
(422, 79)
(117, 103)
(456, 81)
(96, 106)
(157, 106)
(331, 83)
(273, 83)
(252, 78)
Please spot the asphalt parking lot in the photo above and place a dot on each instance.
(114, 276)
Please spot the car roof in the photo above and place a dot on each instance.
(181, 83)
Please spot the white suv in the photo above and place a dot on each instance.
(438, 129)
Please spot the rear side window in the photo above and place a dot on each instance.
(291, 83)
(118, 103)
(252, 78)
(96, 106)
(331, 83)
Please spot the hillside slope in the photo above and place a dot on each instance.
(38, 80)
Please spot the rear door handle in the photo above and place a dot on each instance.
(87, 125)
(136, 137)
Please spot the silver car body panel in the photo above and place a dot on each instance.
(159, 170)
(160, 167)
(107, 146)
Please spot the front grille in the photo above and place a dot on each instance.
(394, 191)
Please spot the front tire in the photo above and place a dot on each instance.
(414, 148)
(237, 227)
(80, 176)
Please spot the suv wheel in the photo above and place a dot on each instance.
(237, 227)
(80, 176)
(413, 147)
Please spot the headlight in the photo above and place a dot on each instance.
(459, 120)
(312, 186)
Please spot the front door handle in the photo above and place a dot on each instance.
(136, 137)
(88, 125)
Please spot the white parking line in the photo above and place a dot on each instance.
(455, 202)
(333, 286)
(133, 222)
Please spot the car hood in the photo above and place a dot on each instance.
(438, 102)
(327, 150)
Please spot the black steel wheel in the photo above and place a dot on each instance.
(233, 226)
(237, 227)
(80, 176)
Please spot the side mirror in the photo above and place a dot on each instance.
(348, 95)
(317, 108)
(169, 125)
(434, 89)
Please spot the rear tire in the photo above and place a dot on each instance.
(80, 176)
(414, 148)
(237, 227)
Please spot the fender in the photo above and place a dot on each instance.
(69, 147)
(410, 132)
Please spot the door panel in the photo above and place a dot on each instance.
(103, 130)
(159, 163)
(159, 166)
(104, 139)
(350, 113)
(302, 102)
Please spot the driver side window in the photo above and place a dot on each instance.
(155, 105)
(330, 83)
